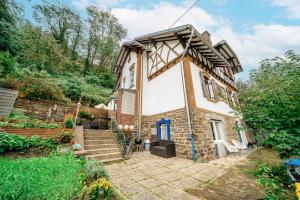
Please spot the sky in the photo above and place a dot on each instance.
(255, 29)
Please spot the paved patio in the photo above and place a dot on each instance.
(146, 176)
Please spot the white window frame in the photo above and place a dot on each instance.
(218, 136)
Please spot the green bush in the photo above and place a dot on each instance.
(65, 137)
(69, 123)
(7, 64)
(270, 103)
(11, 142)
(94, 170)
(275, 180)
(84, 115)
(54, 177)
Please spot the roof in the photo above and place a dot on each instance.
(220, 55)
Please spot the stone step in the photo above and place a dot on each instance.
(98, 137)
(97, 142)
(105, 156)
(111, 161)
(103, 151)
(100, 146)
(96, 132)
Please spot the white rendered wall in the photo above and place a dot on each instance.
(163, 93)
(111, 105)
(201, 102)
(126, 71)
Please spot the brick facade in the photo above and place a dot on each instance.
(203, 135)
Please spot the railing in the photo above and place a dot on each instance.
(117, 132)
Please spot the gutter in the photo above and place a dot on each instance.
(185, 97)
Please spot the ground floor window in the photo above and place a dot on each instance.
(216, 127)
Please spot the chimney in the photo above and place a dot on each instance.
(206, 36)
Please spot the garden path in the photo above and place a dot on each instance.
(147, 176)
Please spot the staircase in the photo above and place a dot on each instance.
(101, 146)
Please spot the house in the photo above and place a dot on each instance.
(178, 74)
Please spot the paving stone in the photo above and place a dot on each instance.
(184, 183)
(150, 183)
(172, 176)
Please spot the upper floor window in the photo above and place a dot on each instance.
(208, 87)
(132, 75)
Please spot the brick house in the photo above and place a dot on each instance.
(180, 75)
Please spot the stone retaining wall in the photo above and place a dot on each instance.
(203, 136)
(41, 132)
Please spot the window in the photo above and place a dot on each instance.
(208, 87)
(131, 75)
(216, 129)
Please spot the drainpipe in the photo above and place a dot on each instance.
(185, 97)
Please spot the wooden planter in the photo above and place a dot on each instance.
(41, 132)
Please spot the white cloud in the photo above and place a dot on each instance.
(292, 7)
(161, 16)
(102, 4)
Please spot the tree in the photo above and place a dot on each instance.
(64, 24)
(270, 103)
(103, 39)
(9, 40)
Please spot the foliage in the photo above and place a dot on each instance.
(69, 120)
(9, 38)
(53, 177)
(100, 189)
(17, 119)
(275, 180)
(94, 170)
(11, 142)
(84, 115)
(270, 103)
(65, 137)
(54, 52)
(7, 64)
(96, 181)
(104, 36)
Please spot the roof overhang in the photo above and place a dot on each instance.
(214, 53)
(227, 52)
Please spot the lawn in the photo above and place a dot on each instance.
(53, 177)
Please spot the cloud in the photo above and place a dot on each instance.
(161, 16)
(102, 4)
(292, 7)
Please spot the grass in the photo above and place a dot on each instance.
(53, 177)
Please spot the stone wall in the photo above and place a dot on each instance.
(203, 136)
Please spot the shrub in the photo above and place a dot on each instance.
(65, 137)
(84, 115)
(11, 142)
(7, 64)
(51, 178)
(275, 180)
(100, 189)
(69, 120)
(94, 170)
